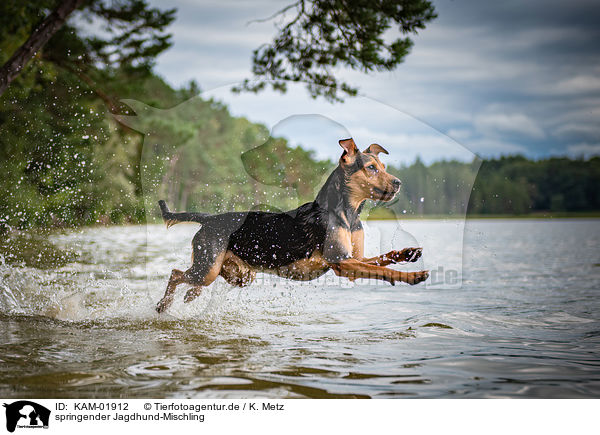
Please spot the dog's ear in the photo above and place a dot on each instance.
(375, 148)
(350, 150)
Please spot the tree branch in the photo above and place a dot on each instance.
(40, 36)
(282, 11)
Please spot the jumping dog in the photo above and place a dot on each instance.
(300, 244)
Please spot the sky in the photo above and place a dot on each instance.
(484, 78)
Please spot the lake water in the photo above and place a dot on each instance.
(519, 316)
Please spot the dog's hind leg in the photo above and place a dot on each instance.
(208, 247)
(201, 275)
(192, 294)
(177, 277)
(236, 271)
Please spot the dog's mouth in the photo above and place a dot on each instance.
(385, 195)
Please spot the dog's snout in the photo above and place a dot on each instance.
(396, 183)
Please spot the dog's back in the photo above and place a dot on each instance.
(272, 240)
(262, 239)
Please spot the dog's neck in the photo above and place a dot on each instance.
(334, 197)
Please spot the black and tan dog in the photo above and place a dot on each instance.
(300, 244)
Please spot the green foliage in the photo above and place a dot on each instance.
(441, 188)
(198, 157)
(137, 34)
(55, 136)
(324, 35)
(505, 186)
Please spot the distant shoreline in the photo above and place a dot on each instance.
(377, 215)
(386, 215)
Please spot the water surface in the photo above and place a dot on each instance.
(524, 323)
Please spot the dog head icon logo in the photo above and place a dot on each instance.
(27, 414)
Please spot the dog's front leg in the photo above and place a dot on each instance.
(407, 255)
(355, 269)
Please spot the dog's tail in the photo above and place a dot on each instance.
(171, 218)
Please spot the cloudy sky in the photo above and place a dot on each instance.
(491, 78)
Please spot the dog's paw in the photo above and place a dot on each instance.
(407, 255)
(163, 304)
(192, 294)
(417, 277)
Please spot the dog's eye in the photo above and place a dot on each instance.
(372, 168)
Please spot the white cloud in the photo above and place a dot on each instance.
(584, 149)
(318, 125)
(513, 123)
(488, 147)
(579, 84)
(240, 37)
(459, 134)
(404, 148)
(584, 111)
(578, 128)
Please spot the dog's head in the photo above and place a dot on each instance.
(366, 177)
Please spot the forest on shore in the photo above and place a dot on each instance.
(511, 185)
(75, 164)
